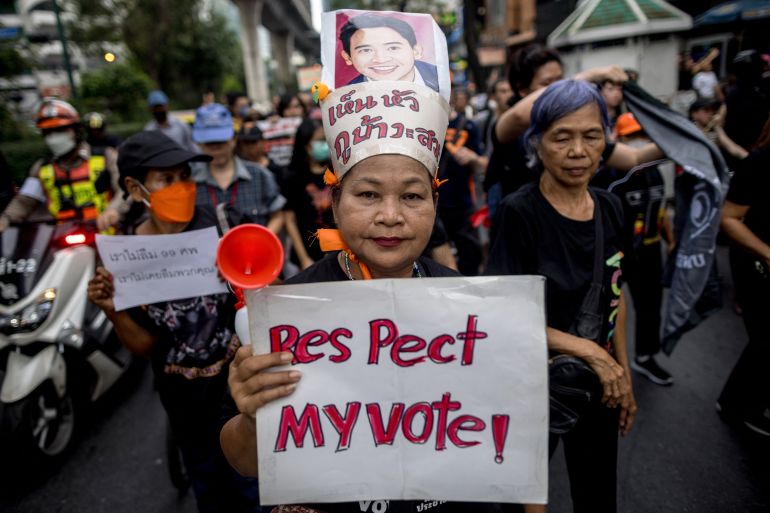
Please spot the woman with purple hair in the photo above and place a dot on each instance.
(572, 234)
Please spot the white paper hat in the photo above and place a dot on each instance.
(388, 74)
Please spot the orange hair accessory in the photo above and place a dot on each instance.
(319, 91)
(438, 183)
(330, 178)
(331, 240)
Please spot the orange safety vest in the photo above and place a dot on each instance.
(73, 194)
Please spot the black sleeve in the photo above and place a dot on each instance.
(138, 314)
(745, 184)
(512, 244)
(474, 138)
(617, 218)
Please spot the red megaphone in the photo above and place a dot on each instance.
(250, 256)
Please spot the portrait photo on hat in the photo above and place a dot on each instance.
(373, 46)
(364, 117)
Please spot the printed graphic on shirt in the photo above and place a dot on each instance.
(198, 338)
(614, 295)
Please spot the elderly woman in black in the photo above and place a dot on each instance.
(570, 233)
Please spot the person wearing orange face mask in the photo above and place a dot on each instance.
(190, 342)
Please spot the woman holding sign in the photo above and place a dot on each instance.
(573, 235)
(384, 195)
(189, 341)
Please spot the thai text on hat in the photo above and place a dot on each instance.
(385, 87)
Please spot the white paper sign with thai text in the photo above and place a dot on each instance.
(412, 389)
(147, 269)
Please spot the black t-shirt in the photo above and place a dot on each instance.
(749, 187)
(747, 111)
(195, 345)
(530, 237)
(508, 166)
(326, 270)
(642, 195)
(311, 201)
(456, 193)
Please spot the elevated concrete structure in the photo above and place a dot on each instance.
(291, 28)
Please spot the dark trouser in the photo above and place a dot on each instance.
(465, 238)
(747, 391)
(217, 486)
(643, 272)
(591, 453)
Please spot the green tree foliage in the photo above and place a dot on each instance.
(13, 62)
(120, 89)
(184, 46)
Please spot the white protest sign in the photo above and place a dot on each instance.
(151, 268)
(412, 389)
(278, 137)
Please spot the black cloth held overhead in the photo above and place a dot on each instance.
(699, 202)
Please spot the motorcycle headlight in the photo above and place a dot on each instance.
(31, 317)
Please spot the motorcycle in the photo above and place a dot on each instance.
(58, 352)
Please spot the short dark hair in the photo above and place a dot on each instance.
(365, 21)
(526, 61)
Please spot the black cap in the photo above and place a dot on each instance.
(250, 132)
(152, 149)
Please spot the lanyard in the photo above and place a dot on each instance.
(233, 194)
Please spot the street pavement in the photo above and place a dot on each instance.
(680, 456)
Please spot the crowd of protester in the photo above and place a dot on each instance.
(540, 177)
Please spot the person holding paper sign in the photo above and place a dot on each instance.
(383, 196)
(190, 341)
(573, 235)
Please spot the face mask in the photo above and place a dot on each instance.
(319, 151)
(60, 143)
(173, 204)
(160, 116)
(244, 111)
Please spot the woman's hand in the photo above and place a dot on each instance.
(101, 290)
(107, 219)
(627, 409)
(612, 376)
(253, 385)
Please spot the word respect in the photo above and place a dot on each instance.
(404, 350)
